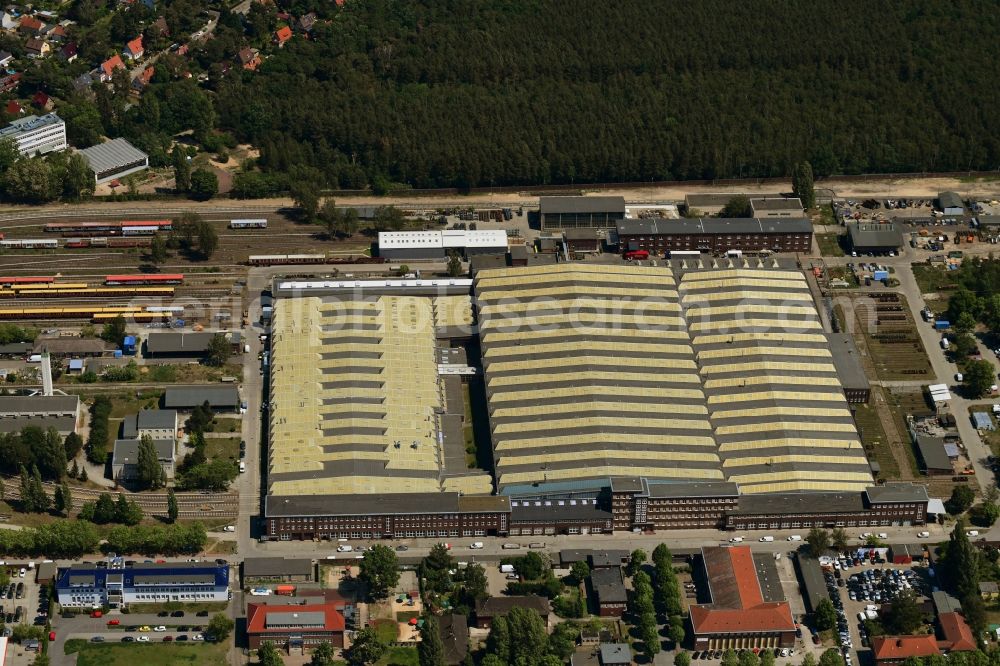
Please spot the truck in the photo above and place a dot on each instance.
(636, 255)
(942, 324)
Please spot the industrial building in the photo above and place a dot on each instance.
(187, 344)
(37, 135)
(415, 245)
(298, 627)
(577, 362)
(154, 423)
(715, 235)
(278, 569)
(90, 586)
(114, 159)
(61, 412)
(573, 212)
(875, 237)
(748, 609)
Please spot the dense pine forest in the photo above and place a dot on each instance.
(492, 92)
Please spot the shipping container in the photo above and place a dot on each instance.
(942, 324)
(287, 590)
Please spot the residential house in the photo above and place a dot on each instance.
(282, 35)
(134, 49)
(160, 25)
(154, 423)
(10, 82)
(37, 48)
(306, 22)
(68, 53)
(42, 101)
(897, 649)
(249, 59)
(109, 66)
(609, 589)
(454, 632)
(6, 57)
(989, 591)
(30, 26)
(56, 33)
(499, 606)
(13, 108)
(956, 634)
(140, 82)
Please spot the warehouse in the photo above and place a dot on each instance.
(748, 609)
(850, 372)
(934, 460)
(950, 203)
(878, 237)
(61, 412)
(185, 344)
(114, 159)
(219, 398)
(715, 235)
(578, 361)
(602, 212)
(416, 245)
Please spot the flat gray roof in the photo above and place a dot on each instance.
(713, 225)
(148, 419)
(793, 203)
(293, 619)
(882, 234)
(897, 492)
(813, 582)
(933, 453)
(60, 423)
(577, 204)
(847, 361)
(806, 502)
(38, 404)
(111, 155)
(174, 343)
(126, 451)
(190, 397)
(608, 585)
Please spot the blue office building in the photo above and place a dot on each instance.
(117, 586)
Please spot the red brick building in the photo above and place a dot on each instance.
(897, 649)
(295, 626)
(748, 609)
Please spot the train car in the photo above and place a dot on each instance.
(90, 292)
(281, 259)
(171, 309)
(134, 316)
(26, 280)
(165, 278)
(51, 286)
(30, 244)
(73, 243)
(145, 227)
(64, 313)
(130, 241)
(248, 224)
(76, 228)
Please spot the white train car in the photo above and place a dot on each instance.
(248, 224)
(30, 243)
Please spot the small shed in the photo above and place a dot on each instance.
(950, 203)
(75, 366)
(982, 421)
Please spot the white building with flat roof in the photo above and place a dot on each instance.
(37, 134)
(437, 244)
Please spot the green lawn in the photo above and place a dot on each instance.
(875, 441)
(829, 245)
(147, 654)
(387, 630)
(399, 656)
(222, 447)
(931, 278)
(227, 425)
(189, 609)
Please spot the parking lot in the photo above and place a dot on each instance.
(858, 587)
(23, 601)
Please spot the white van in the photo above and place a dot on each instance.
(736, 540)
(767, 539)
(506, 568)
(972, 533)
(476, 545)
(862, 616)
(795, 537)
(243, 467)
(344, 548)
(923, 535)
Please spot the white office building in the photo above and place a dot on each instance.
(37, 134)
(118, 585)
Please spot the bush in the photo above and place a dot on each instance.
(97, 440)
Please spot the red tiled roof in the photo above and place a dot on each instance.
(957, 634)
(135, 46)
(31, 23)
(40, 99)
(901, 647)
(283, 34)
(737, 601)
(13, 107)
(69, 50)
(111, 64)
(257, 617)
(58, 31)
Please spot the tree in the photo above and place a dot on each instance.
(650, 639)
(8, 154)
(435, 567)
(475, 583)
(158, 254)
(961, 566)
(961, 499)
(676, 635)
(831, 657)
(268, 655)
(809, 660)
(818, 540)
(454, 265)
(367, 648)
(127, 511)
(738, 206)
(498, 641)
(219, 350)
(114, 331)
(57, 499)
(580, 571)
(803, 186)
(430, 650)
(748, 658)
(172, 509)
(767, 658)
(73, 444)
(528, 636)
(182, 169)
(104, 509)
(978, 378)
(984, 514)
(306, 198)
(208, 239)
(67, 499)
(839, 539)
(220, 626)
(149, 471)
(683, 659)
(826, 615)
(31, 180)
(389, 218)
(380, 570)
(635, 561)
(965, 323)
(78, 179)
(729, 658)
(322, 655)
(204, 185)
